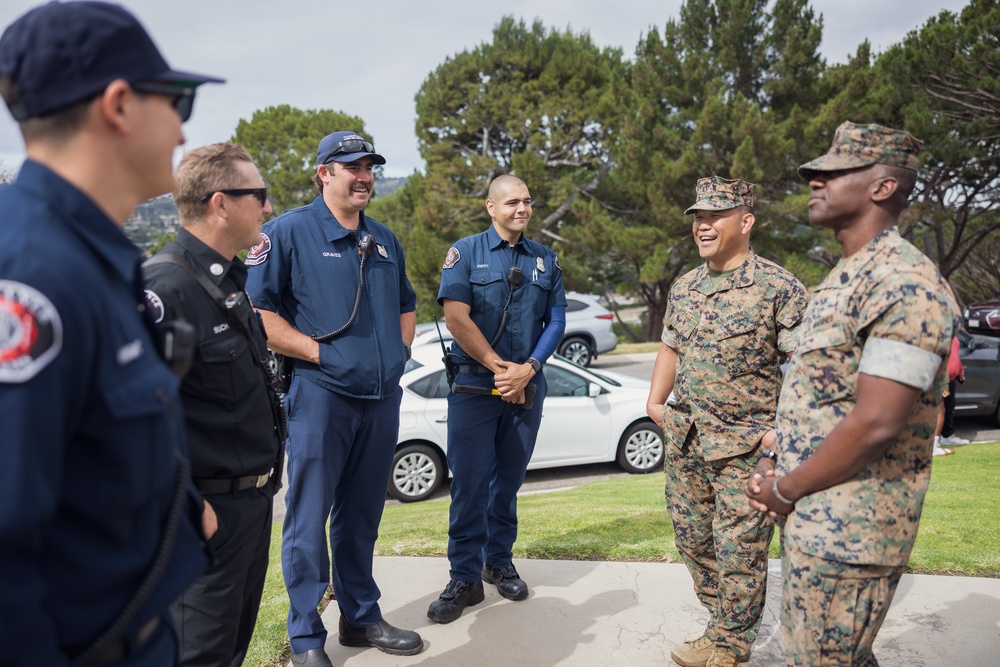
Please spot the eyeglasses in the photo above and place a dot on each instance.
(183, 98)
(259, 193)
(350, 146)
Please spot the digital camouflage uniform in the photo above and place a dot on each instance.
(884, 311)
(731, 340)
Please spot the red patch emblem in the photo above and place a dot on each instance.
(452, 258)
(30, 332)
(259, 252)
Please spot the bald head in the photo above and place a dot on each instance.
(503, 183)
(509, 206)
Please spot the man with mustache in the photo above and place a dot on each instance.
(331, 288)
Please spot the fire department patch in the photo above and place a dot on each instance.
(259, 252)
(30, 332)
(452, 258)
(155, 305)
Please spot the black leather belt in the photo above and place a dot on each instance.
(474, 369)
(215, 487)
(119, 650)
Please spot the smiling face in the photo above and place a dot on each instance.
(348, 186)
(509, 206)
(723, 237)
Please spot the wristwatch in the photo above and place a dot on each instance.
(535, 364)
(766, 453)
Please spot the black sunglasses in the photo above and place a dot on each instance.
(350, 146)
(183, 102)
(259, 193)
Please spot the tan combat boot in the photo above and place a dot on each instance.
(694, 653)
(723, 656)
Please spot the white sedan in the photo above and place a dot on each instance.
(588, 417)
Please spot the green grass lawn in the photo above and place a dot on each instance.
(626, 520)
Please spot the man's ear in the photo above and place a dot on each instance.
(490, 207)
(746, 223)
(115, 104)
(883, 188)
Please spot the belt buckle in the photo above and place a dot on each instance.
(262, 479)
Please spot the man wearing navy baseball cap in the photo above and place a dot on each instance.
(348, 348)
(100, 525)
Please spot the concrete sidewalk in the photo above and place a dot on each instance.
(598, 613)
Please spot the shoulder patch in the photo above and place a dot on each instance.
(258, 253)
(556, 259)
(154, 304)
(452, 258)
(30, 332)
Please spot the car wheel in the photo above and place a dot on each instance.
(641, 448)
(416, 473)
(576, 350)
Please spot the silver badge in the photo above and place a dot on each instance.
(540, 264)
(216, 269)
(381, 250)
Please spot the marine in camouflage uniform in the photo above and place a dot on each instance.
(728, 328)
(858, 407)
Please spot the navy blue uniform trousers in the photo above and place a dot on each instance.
(339, 454)
(489, 445)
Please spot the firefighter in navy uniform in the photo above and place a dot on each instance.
(100, 527)
(331, 288)
(232, 408)
(505, 305)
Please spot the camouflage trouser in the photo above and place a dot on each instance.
(830, 611)
(722, 540)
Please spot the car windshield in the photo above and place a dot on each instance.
(587, 371)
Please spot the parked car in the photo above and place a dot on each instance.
(984, 317)
(589, 330)
(980, 394)
(587, 417)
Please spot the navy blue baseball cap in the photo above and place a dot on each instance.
(62, 53)
(346, 146)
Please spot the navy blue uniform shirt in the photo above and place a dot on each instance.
(91, 428)
(475, 273)
(306, 269)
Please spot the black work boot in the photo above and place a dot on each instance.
(383, 636)
(509, 584)
(457, 596)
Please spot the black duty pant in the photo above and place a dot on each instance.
(216, 615)
(948, 429)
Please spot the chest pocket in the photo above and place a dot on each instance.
(227, 371)
(488, 290)
(739, 345)
(684, 322)
(144, 423)
(539, 294)
(829, 359)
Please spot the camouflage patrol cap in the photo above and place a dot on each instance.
(857, 146)
(722, 194)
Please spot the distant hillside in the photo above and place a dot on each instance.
(386, 186)
(152, 220)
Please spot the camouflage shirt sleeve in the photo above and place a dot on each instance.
(789, 316)
(895, 349)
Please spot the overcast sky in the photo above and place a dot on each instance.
(370, 59)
